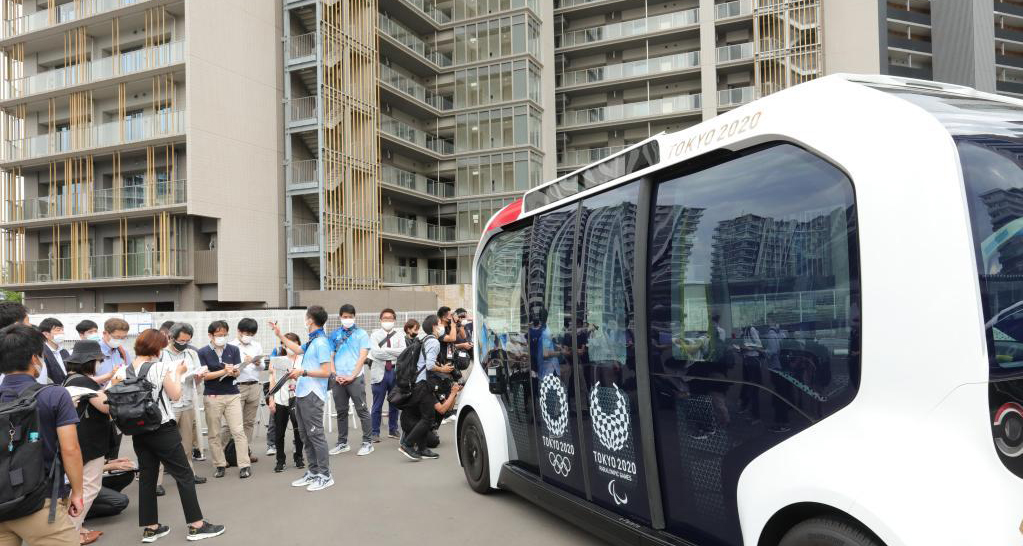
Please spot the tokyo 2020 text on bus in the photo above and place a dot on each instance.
(798, 323)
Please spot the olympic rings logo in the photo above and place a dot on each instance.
(562, 465)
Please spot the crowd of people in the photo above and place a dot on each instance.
(68, 412)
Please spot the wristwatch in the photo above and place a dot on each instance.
(305, 373)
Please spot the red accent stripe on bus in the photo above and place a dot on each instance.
(507, 215)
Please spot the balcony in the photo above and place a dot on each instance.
(739, 8)
(626, 29)
(431, 10)
(1009, 35)
(304, 238)
(399, 274)
(916, 17)
(418, 137)
(899, 42)
(1008, 8)
(631, 69)
(114, 133)
(414, 89)
(302, 110)
(733, 53)
(579, 158)
(62, 14)
(96, 71)
(734, 97)
(633, 110)
(414, 229)
(303, 174)
(301, 48)
(107, 200)
(156, 266)
(416, 182)
(412, 41)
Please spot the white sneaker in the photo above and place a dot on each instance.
(448, 420)
(340, 448)
(366, 449)
(304, 480)
(321, 482)
(271, 451)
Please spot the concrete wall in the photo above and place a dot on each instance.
(234, 95)
(368, 300)
(963, 34)
(852, 36)
(548, 118)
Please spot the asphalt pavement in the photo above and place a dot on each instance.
(382, 498)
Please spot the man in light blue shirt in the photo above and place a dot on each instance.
(310, 395)
(351, 347)
(115, 355)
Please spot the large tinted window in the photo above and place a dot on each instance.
(754, 321)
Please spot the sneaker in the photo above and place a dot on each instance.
(245, 473)
(409, 452)
(366, 449)
(279, 468)
(426, 453)
(393, 435)
(197, 455)
(321, 482)
(271, 451)
(449, 420)
(151, 535)
(160, 491)
(305, 480)
(299, 463)
(375, 439)
(208, 530)
(220, 472)
(199, 480)
(340, 448)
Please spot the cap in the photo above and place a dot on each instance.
(85, 351)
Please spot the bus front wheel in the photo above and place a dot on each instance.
(472, 447)
(828, 531)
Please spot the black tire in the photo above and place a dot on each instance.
(472, 448)
(828, 531)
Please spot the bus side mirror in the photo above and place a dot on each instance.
(497, 377)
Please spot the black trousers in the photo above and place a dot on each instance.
(110, 501)
(422, 411)
(408, 422)
(163, 446)
(282, 415)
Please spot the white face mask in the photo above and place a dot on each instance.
(220, 341)
(387, 326)
(94, 337)
(289, 351)
(246, 339)
(347, 322)
(115, 343)
(438, 332)
(58, 338)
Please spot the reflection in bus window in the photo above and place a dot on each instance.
(753, 335)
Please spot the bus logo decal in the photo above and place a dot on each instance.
(557, 420)
(614, 494)
(561, 464)
(611, 429)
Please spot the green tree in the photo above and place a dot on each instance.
(11, 296)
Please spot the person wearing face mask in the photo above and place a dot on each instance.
(386, 344)
(249, 388)
(282, 407)
(179, 349)
(89, 330)
(351, 348)
(54, 356)
(115, 356)
(413, 445)
(222, 399)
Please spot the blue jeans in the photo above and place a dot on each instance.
(380, 391)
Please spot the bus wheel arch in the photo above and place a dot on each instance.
(473, 454)
(789, 518)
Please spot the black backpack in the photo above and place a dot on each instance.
(131, 402)
(24, 478)
(406, 368)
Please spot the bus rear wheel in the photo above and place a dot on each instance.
(472, 448)
(828, 531)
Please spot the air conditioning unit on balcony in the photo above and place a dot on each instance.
(43, 277)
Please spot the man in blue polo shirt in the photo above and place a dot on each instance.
(351, 347)
(310, 396)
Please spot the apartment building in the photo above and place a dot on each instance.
(140, 154)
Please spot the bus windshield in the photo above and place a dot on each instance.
(994, 193)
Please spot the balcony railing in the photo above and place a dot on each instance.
(738, 8)
(736, 52)
(578, 158)
(737, 96)
(304, 238)
(158, 194)
(126, 131)
(302, 109)
(625, 29)
(414, 89)
(416, 182)
(415, 229)
(560, 4)
(400, 274)
(617, 112)
(150, 263)
(98, 70)
(428, 7)
(631, 69)
(300, 47)
(304, 172)
(423, 139)
(412, 41)
(64, 13)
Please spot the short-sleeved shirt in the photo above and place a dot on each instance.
(349, 344)
(55, 410)
(111, 358)
(94, 426)
(317, 351)
(155, 376)
(208, 357)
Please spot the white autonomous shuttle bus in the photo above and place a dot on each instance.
(799, 323)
